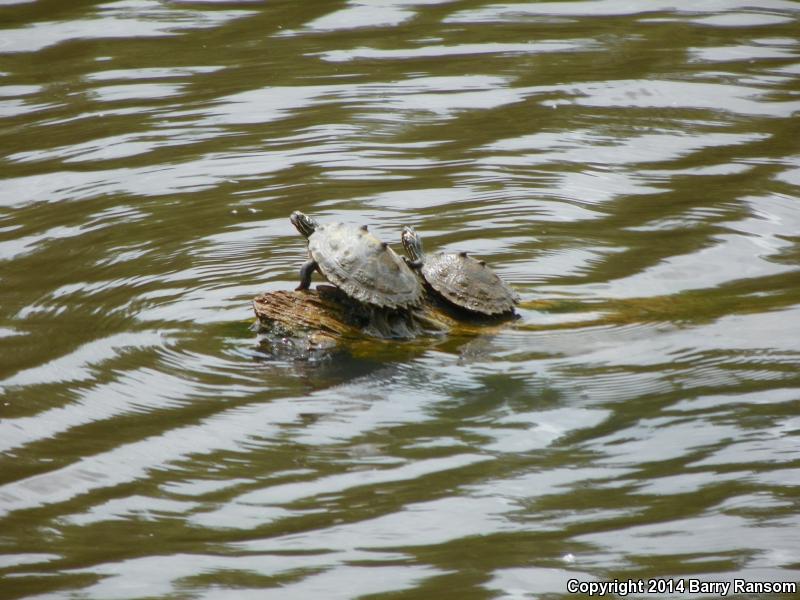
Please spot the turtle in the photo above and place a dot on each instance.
(460, 279)
(358, 263)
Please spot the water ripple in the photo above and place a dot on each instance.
(630, 169)
(129, 19)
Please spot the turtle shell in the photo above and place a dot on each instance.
(468, 283)
(363, 267)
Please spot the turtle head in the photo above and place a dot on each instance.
(412, 244)
(303, 223)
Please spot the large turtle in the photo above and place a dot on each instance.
(358, 263)
(462, 280)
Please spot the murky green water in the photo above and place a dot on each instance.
(632, 169)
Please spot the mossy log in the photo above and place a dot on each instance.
(325, 315)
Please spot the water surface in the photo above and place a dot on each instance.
(632, 169)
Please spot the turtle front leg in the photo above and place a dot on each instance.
(305, 275)
(413, 264)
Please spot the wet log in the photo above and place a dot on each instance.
(325, 316)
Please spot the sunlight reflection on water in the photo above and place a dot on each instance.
(630, 170)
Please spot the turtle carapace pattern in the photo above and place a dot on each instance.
(462, 280)
(358, 263)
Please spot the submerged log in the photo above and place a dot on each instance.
(326, 315)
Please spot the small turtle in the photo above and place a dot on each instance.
(358, 263)
(462, 280)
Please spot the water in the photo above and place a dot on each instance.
(632, 169)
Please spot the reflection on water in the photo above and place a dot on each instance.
(631, 170)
